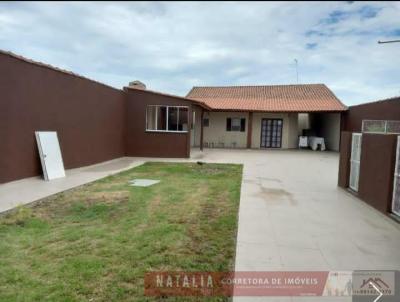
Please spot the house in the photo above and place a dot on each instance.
(96, 122)
(265, 116)
(368, 165)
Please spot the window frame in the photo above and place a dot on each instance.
(167, 118)
(242, 124)
(238, 127)
(385, 128)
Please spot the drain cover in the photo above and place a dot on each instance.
(143, 182)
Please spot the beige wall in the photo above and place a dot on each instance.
(289, 129)
(195, 133)
(216, 132)
(304, 122)
(330, 130)
(293, 131)
(326, 124)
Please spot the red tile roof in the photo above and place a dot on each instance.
(277, 98)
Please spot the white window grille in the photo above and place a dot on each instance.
(355, 161)
(381, 126)
(160, 118)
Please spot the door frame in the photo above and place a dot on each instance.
(261, 132)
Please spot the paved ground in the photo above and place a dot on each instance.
(292, 215)
(31, 189)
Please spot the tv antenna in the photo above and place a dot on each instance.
(390, 41)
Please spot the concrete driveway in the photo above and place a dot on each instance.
(293, 217)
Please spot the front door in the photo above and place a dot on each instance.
(271, 133)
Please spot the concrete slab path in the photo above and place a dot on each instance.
(28, 190)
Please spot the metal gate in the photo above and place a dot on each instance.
(396, 184)
(355, 161)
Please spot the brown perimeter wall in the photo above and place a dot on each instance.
(380, 110)
(378, 156)
(378, 153)
(94, 122)
(344, 159)
(153, 144)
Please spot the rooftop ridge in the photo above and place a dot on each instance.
(274, 85)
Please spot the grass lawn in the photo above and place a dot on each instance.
(96, 242)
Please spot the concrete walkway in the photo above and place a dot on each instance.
(25, 191)
(28, 190)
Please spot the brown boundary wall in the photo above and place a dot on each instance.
(153, 144)
(88, 116)
(378, 156)
(378, 153)
(94, 122)
(344, 159)
(381, 110)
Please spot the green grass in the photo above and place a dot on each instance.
(96, 242)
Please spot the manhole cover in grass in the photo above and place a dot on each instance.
(143, 182)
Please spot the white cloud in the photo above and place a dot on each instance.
(173, 46)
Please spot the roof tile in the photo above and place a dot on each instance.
(276, 98)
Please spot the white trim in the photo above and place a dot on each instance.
(396, 177)
(168, 106)
(385, 131)
(168, 131)
(167, 119)
(355, 162)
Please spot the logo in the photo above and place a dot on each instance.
(376, 281)
(373, 283)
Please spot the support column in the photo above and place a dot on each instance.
(249, 130)
(201, 129)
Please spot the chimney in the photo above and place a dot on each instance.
(137, 84)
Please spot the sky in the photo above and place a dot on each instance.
(173, 46)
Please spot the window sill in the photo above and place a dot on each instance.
(167, 131)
